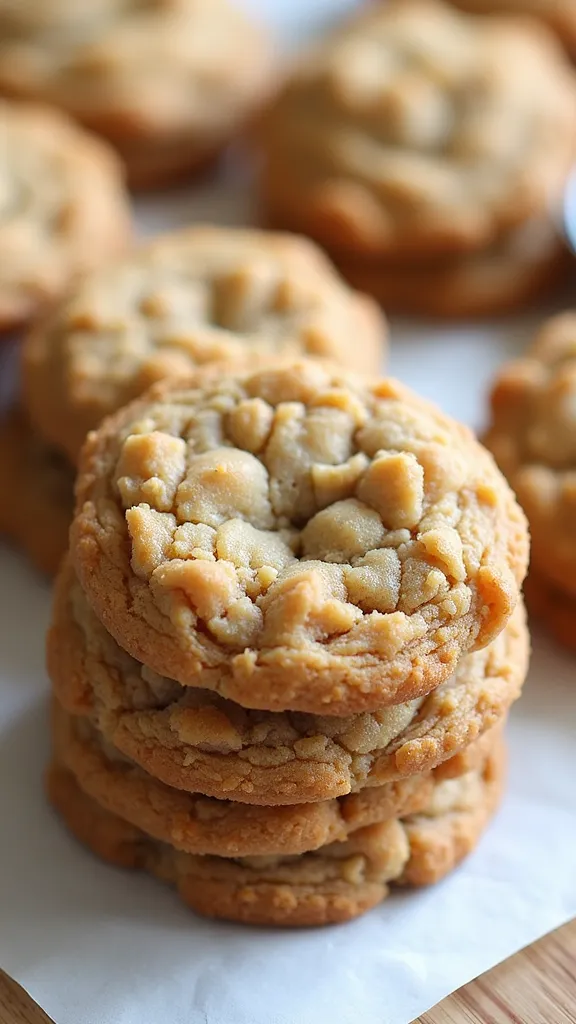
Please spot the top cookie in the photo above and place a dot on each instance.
(63, 208)
(190, 298)
(418, 129)
(296, 538)
(167, 81)
(533, 438)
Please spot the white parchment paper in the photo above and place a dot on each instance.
(95, 945)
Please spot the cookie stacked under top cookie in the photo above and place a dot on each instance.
(187, 299)
(286, 641)
(533, 438)
(426, 150)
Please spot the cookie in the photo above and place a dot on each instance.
(197, 824)
(533, 438)
(298, 538)
(559, 15)
(64, 209)
(167, 82)
(415, 130)
(195, 297)
(555, 608)
(37, 495)
(197, 741)
(517, 270)
(335, 883)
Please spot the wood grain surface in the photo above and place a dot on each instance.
(16, 1007)
(536, 986)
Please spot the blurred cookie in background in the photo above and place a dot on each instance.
(532, 435)
(553, 607)
(167, 82)
(417, 140)
(186, 300)
(63, 208)
(520, 268)
(559, 15)
(37, 496)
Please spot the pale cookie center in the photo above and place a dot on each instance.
(271, 520)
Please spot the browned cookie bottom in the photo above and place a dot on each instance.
(336, 883)
(512, 274)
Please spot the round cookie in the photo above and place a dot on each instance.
(554, 607)
(223, 828)
(335, 883)
(533, 438)
(167, 82)
(559, 15)
(195, 297)
(516, 271)
(63, 209)
(37, 497)
(196, 741)
(298, 538)
(415, 130)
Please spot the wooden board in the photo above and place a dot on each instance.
(536, 986)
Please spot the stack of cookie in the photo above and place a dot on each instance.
(533, 438)
(285, 641)
(191, 298)
(427, 150)
(167, 82)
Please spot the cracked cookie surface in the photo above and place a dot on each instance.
(343, 559)
(37, 494)
(417, 129)
(193, 297)
(334, 883)
(532, 435)
(197, 741)
(297, 538)
(63, 209)
(168, 82)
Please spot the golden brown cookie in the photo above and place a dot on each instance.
(63, 209)
(554, 607)
(36, 494)
(559, 15)
(197, 824)
(335, 883)
(417, 130)
(197, 741)
(533, 438)
(191, 298)
(298, 538)
(168, 82)
(517, 270)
